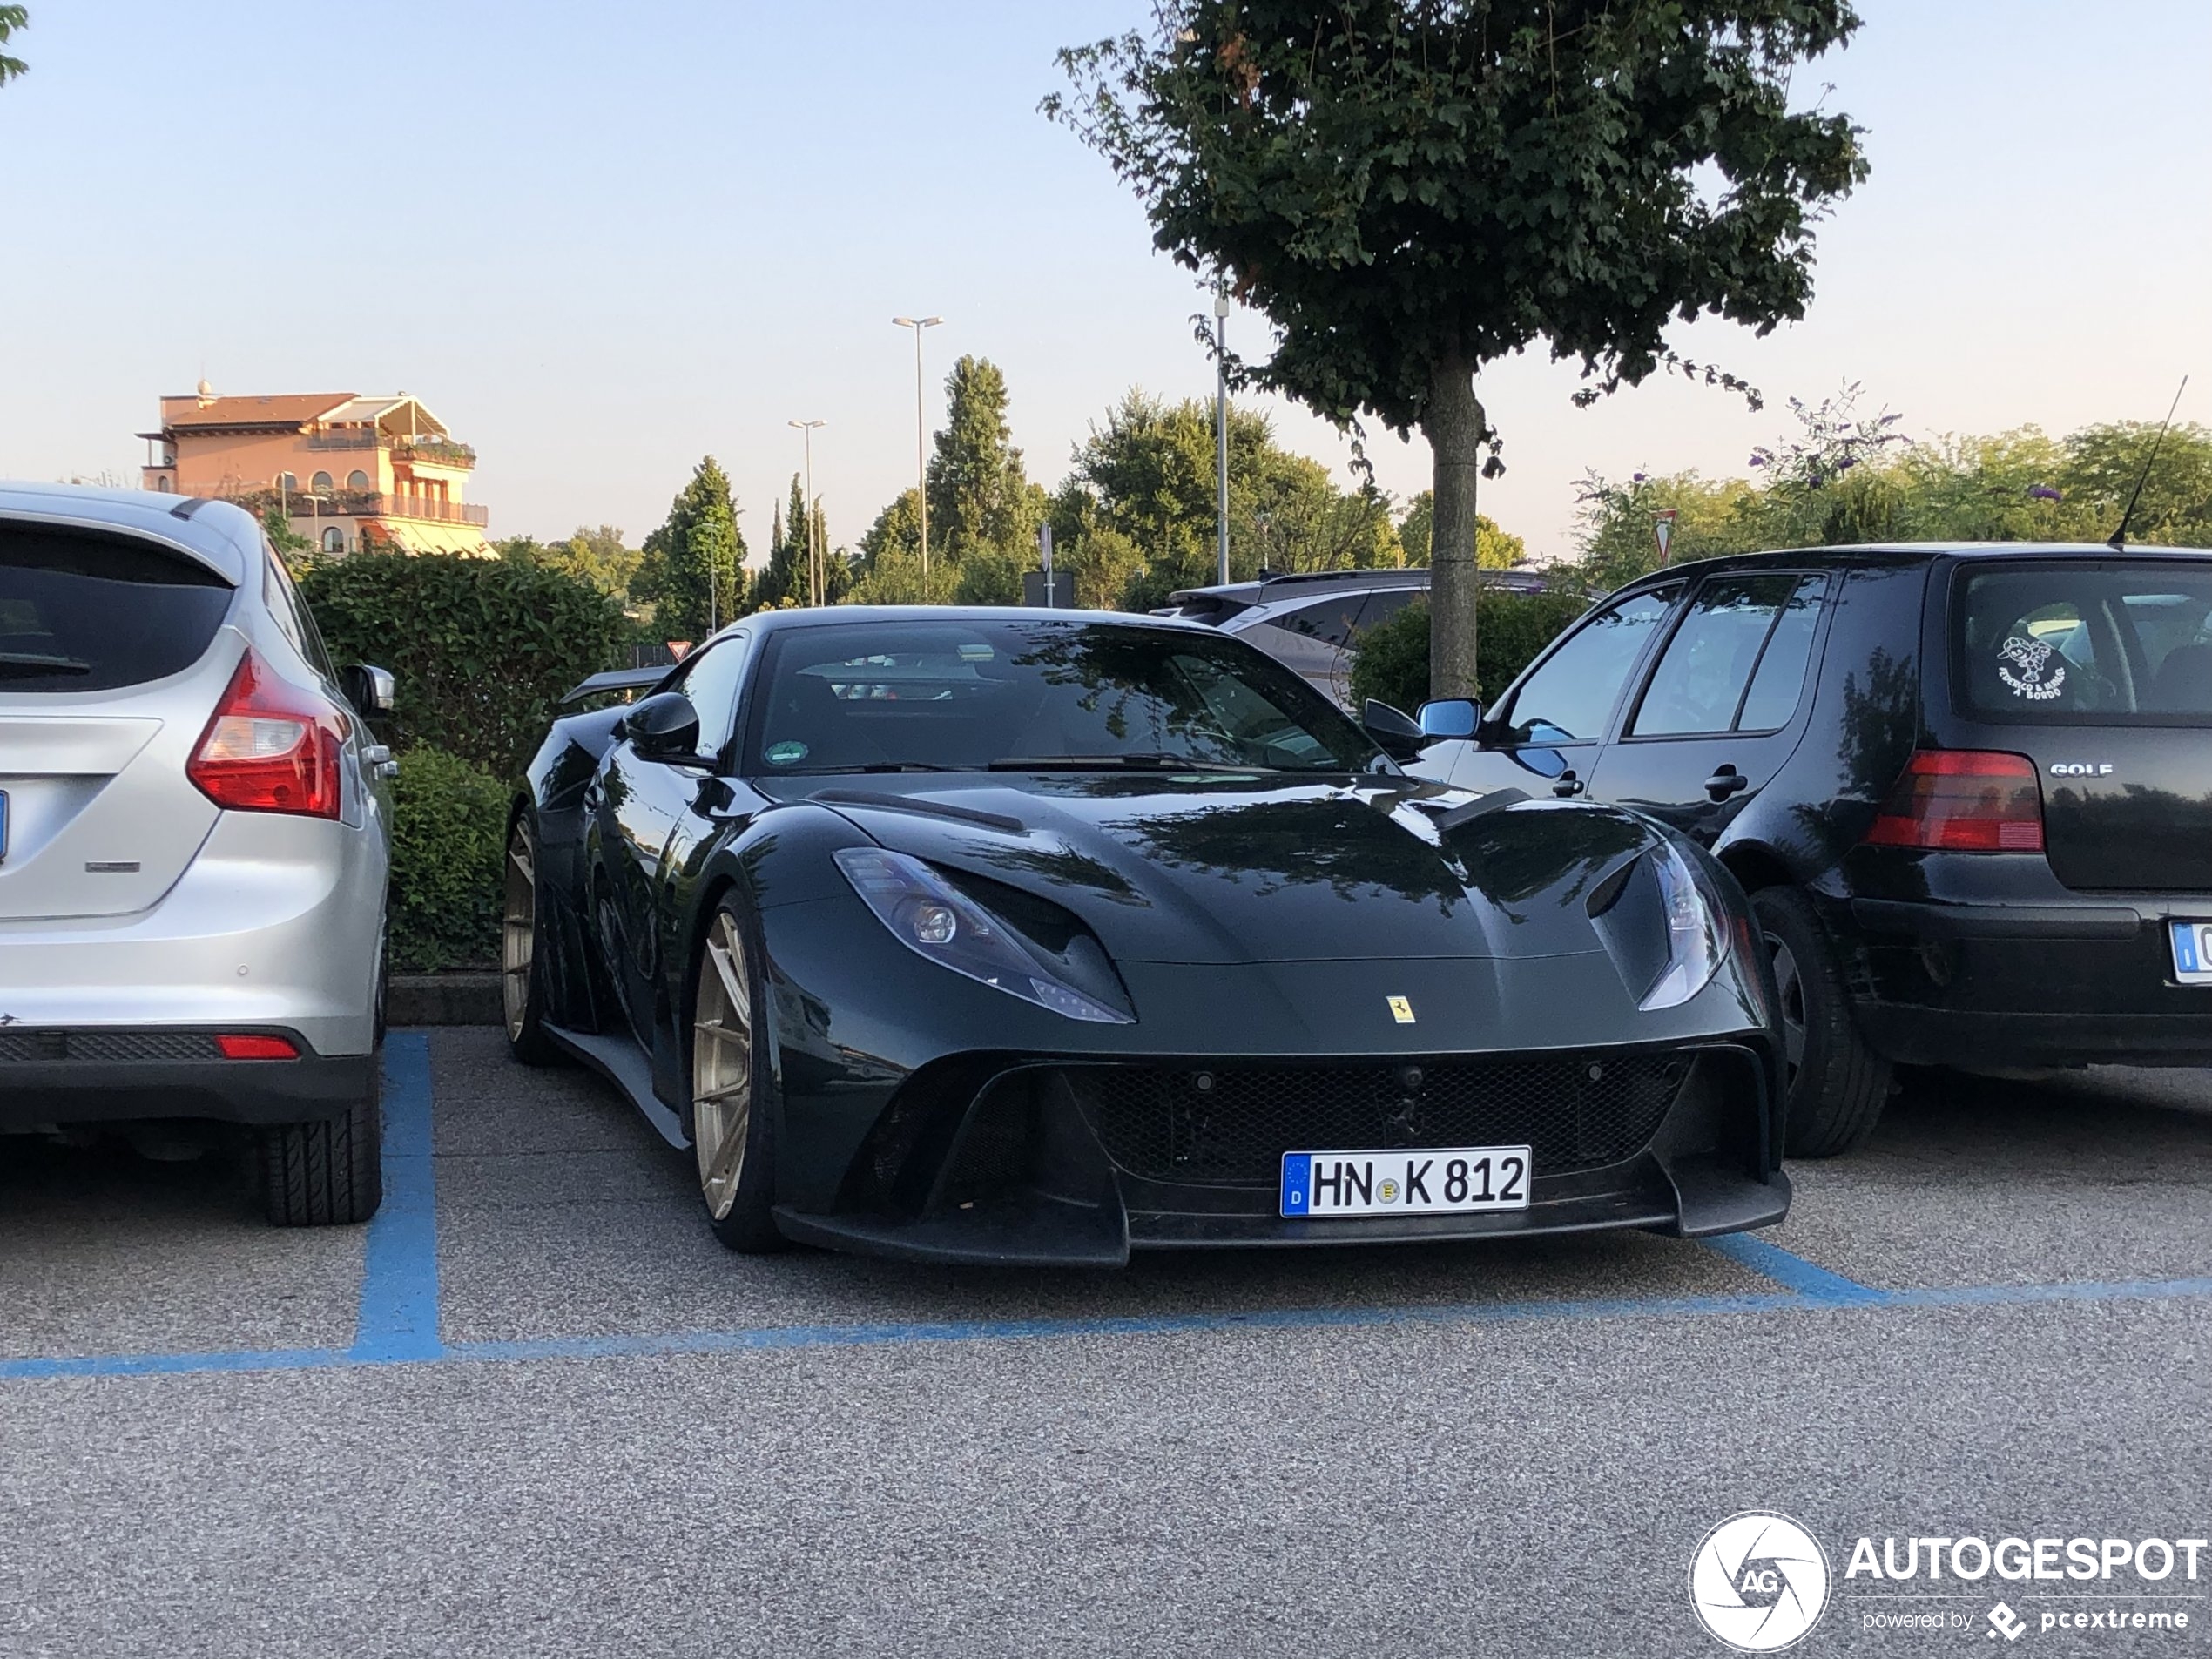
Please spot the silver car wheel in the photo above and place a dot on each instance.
(518, 938)
(722, 1066)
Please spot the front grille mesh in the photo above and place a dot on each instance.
(1234, 1122)
(20, 1044)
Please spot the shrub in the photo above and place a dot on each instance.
(448, 849)
(1511, 629)
(482, 648)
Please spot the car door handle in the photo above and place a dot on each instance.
(1726, 782)
(1567, 786)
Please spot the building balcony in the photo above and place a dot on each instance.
(436, 452)
(356, 439)
(423, 507)
(311, 504)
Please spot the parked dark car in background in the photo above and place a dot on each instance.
(998, 936)
(1313, 622)
(1968, 789)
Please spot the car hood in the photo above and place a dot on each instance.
(1266, 869)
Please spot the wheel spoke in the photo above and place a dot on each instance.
(741, 1004)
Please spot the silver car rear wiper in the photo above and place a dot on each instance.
(26, 662)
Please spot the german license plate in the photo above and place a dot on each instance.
(2192, 951)
(1453, 1181)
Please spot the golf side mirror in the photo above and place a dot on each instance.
(664, 728)
(369, 690)
(1394, 733)
(1450, 716)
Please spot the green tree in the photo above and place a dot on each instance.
(283, 537)
(1411, 189)
(1495, 549)
(978, 493)
(785, 580)
(692, 567)
(11, 19)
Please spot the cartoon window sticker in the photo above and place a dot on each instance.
(2027, 669)
(787, 754)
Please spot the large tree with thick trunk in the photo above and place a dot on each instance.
(1411, 189)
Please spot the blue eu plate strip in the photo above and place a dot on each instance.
(1297, 1170)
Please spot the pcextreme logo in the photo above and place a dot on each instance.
(1759, 1581)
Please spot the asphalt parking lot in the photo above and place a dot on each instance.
(536, 1409)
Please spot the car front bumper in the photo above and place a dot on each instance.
(1013, 1161)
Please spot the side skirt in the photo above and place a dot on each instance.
(624, 1064)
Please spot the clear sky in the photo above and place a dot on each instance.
(603, 240)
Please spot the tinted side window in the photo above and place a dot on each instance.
(1328, 622)
(1704, 678)
(290, 612)
(1570, 695)
(93, 613)
(712, 681)
(1382, 604)
(1779, 681)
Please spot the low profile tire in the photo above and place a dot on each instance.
(1837, 1084)
(521, 988)
(329, 1173)
(732, 1116)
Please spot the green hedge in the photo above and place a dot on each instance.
(482, 648)
(449, 851)
(1511, 629)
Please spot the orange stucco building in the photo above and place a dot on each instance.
(346, 470)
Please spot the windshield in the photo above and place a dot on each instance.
(1051, 695)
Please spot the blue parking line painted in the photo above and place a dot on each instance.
(1794, 1272)
(399, 1299)
(805, 1337)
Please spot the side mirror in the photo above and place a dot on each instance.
(664, 728)
(369, 690)
(1450, 717)
(1393, 733)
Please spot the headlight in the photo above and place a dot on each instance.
(1661, 924)
(935, 920)
(1694, 933)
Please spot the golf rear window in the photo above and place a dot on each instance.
(2093, 642)
(85, 612)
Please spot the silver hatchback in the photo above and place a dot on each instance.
(194, 838)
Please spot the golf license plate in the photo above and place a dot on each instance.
(2192, 951)
(1432, 1181)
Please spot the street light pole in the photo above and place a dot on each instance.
(1221, 420)
(815, 574)
(921, 439)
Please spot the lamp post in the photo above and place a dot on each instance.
(921, 439)
(1221, 420)
(814, 573)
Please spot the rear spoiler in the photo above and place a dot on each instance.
(617, 679)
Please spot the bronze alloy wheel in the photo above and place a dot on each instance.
(518, 938)
(722, 1066)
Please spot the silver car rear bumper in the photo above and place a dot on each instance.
(276, 924)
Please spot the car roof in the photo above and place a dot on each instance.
(225, 538)
(1302, 583)
(1875, 553)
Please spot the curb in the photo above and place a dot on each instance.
(443, 999)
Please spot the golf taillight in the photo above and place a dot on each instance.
(270, 747)
(245, 1046)
(1964, 801)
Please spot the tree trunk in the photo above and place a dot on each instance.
(1454, 425)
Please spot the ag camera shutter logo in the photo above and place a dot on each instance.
(1759, 1583)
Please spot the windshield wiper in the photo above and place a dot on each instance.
(1136, 762)
(27, 662)
(876, 765)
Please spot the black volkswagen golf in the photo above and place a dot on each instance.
(1968, 788)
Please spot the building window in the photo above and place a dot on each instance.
(333, 540)
(288, 481)
(321, 481)
(161, 484)
(357, 479)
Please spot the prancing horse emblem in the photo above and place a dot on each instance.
(1401, 1010)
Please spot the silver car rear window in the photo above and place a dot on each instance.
(80, 612)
